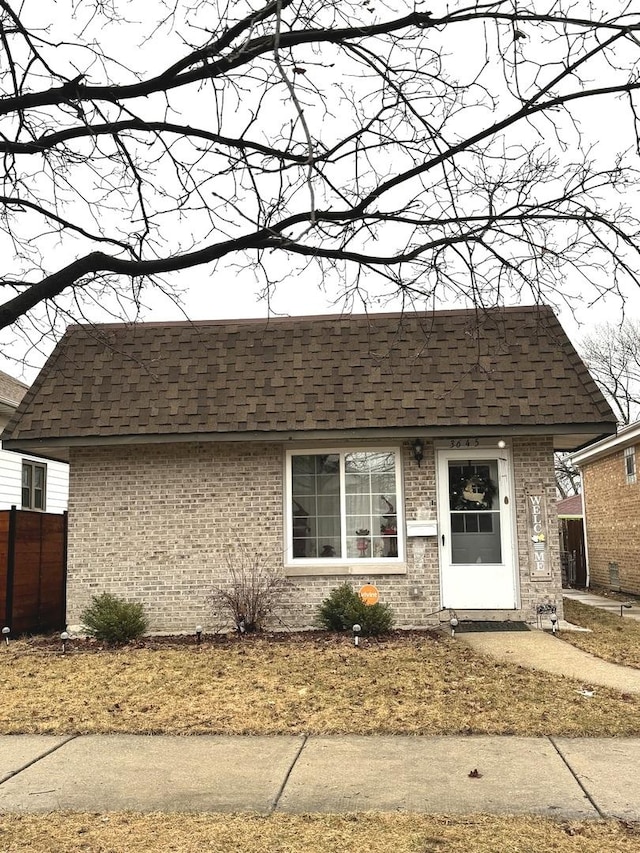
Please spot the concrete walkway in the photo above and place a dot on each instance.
(544, 651)
(557, 777)
(611, 605)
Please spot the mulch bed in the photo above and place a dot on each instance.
(319, 638)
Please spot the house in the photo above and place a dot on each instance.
(611, 493)
(572, 548)
(410, 451)
(28, 481)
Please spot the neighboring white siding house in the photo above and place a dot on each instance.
(28, 482)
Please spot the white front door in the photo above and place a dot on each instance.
(475, 512)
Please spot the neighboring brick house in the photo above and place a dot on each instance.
(611, 494)
(414, 451)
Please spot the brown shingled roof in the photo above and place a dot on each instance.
(509, 367)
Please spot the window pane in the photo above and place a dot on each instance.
(328, 505)
(316, 505)
(384, 483)
(365, 517)
(304, 484)
(485, 521)
(359, 546)
(357, 484)
(475, 526)
(27, 478)
(358, 504)
(372, 523)
(356, 463)
(358, 522)
(630, 465)
(328, 526)
(330, 548)
(471, 522)
(472, 487)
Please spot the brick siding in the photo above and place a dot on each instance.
(151, 523)
(612, 513)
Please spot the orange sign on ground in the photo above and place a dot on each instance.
(369, 594)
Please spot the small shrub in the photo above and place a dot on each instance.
(343, 608)
(113, 620)
(376, 619)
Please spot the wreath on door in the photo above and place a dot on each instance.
(471, 493)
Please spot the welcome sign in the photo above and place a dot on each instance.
(538, 535)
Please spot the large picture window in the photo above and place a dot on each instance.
(344, 505)
(34, 481)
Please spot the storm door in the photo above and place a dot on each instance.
(475, 506)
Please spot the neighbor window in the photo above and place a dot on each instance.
(630, 465)
(344, 505)
(34, 482)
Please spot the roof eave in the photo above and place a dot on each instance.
(566, 436)
(624, 437)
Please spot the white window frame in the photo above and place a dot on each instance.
(28, 463)
(343, 565)
(630, 463)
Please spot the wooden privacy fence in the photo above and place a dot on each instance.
(33, 569)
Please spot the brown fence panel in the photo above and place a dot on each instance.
(35, 572)
(5, 515)
(52, 604)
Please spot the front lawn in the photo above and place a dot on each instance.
(412, 683)
(612, 637)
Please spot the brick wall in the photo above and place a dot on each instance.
(612, 512)
(151, 523)
(534, 473)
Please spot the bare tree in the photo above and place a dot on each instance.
(612, 352)
(385, 150)
(567, 476)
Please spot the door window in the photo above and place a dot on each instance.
(474, 507)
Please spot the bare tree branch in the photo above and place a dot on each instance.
(612, 353)
(445, 156)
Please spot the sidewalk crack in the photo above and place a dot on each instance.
(294, 761)
(577, 778)
(35, 760)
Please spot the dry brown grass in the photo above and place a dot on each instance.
(377, 833)
(612, 638)
(414, 684)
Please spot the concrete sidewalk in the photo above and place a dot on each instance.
(558, 777)
(611, 605)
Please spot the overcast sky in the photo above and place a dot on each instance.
(234, 293)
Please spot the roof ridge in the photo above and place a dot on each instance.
(346, 315)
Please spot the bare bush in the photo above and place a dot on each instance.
(253, 596)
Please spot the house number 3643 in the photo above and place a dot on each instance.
(465, 442)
